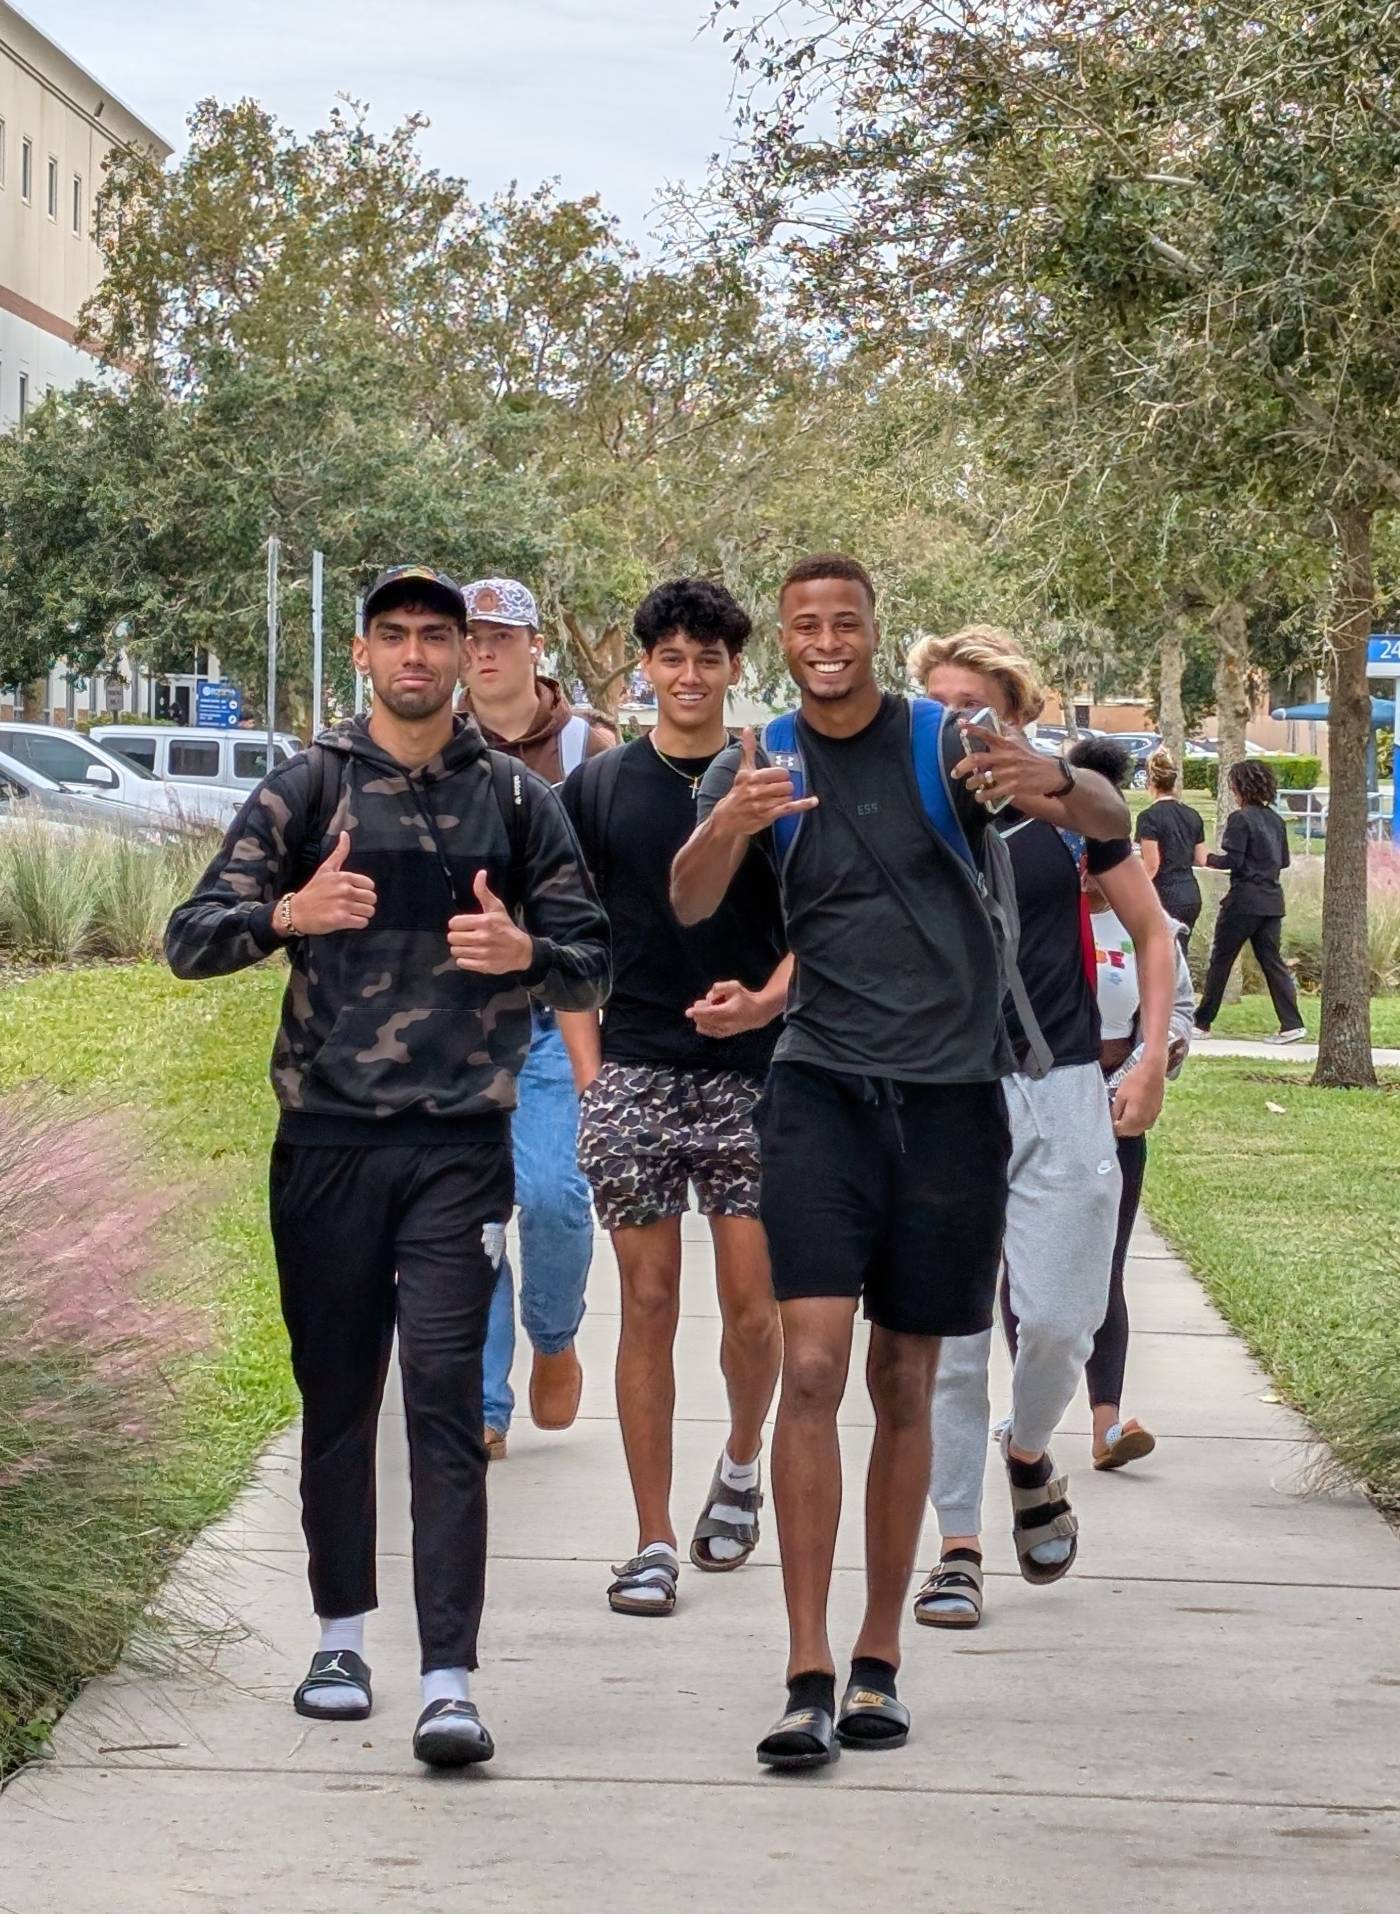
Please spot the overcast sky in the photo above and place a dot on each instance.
(613, 96)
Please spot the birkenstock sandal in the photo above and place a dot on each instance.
(1127, 1442)
(1041, 1515)
(711, 1528)
(869, 1719)
(341, 1668)
(802, 1738)
(451, 1734)
(644, 1571)
(952, 1596)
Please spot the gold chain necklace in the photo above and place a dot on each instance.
(693, 782)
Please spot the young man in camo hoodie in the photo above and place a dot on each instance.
(428, 892)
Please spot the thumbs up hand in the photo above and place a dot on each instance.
(488, 941)
(334, 899)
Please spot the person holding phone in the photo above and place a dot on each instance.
(1064, 1178)
(882, 1129)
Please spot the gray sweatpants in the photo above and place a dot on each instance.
(1061, 1220)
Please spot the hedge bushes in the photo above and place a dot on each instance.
(1293, 773)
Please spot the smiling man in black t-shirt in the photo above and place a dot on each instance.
(670, 1081)
(884, 1130)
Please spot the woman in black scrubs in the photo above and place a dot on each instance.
(1172, 837)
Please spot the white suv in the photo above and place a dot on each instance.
(78, 764)
(197, 754)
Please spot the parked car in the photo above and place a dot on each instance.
(233, 760)
(26, 794)
(79, 765)
(1053, 740)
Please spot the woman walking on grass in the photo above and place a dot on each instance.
(1172, 839)
(1254, 850)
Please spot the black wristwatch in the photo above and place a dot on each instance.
(1063, 790)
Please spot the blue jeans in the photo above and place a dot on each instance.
(556, 1223)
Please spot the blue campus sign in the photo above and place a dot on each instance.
(217, 704)
(1383, 655)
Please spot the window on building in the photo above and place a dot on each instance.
(53, 187)
(190, 760)
(26, 170)
(78, 205)
(23, 397)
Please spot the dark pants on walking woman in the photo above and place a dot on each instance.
(1104, 1370)
(1180, 897)
(1234, 928)
(370, 1238)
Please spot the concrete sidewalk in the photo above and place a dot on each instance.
(1203, 1716)
(1207, 1047)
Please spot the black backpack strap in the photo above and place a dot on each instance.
(597, 792)
(508, 782)
(327, 769)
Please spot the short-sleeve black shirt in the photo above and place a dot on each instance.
(1054, 932)
(1176, 829)
(897, 969)
(661, 967)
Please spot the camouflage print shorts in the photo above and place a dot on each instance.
(648, 1131)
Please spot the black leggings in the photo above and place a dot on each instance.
(1104, 1370)
(1180, 897)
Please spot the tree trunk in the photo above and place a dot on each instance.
(1344, 1055)
(35, 700)
(1067, 703)
(1171, 666)
(602, 659)
(1231, 698)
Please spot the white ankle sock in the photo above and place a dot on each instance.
(446, 1684)
(738, 1476)
(345, 1634)
(654, 1591)
(347, 1631)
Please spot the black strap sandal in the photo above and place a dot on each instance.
(643, 1571)
(951, 1597)
(712, 1527)
(869, 1719)
(451, 1734)
(803, 1738)
(1038, 1516)
(343, 1669)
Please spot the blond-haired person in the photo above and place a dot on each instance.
(1172, 838)
(1062, 1209)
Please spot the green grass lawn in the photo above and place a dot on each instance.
(190, 1061)
(1253, 1016)
(1288, 1215)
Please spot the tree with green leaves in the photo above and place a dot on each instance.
(1189, 208)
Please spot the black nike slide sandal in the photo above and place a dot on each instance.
(803, 1738)
(869, 1719)
(341, 1669)
(451, 1734)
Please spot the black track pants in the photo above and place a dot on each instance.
(369, 1239)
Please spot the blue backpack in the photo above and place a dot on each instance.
(931, 736)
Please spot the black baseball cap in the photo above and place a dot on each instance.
(401, 584)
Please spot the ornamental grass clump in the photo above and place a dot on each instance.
(93, 1340)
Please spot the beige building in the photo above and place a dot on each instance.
(57, 126)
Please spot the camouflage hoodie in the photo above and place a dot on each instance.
(380, 1023)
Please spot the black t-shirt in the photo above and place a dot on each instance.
(1254, 849)
(1176, 829)
(1054, 932)
(896, 963)
(661, 967)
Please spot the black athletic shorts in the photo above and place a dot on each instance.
(891, 1191)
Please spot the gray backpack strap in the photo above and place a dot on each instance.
(573, 744)
(999, 895)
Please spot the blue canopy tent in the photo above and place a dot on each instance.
(1382, 719)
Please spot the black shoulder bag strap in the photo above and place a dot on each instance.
(327, 769)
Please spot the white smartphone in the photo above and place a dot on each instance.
(989, 721)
